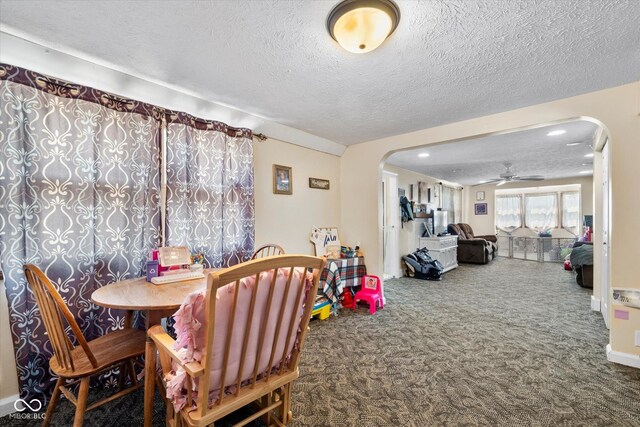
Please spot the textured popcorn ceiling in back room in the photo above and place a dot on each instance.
(447, 61)
(531, 152)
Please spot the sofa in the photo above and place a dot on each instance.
(471, 248)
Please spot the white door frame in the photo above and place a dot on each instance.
(605, 260)
(391, 225)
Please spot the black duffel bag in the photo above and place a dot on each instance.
(421, 266)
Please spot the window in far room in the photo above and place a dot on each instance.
(452, 202)
(571, 211)
(539, 209)
(508, 212)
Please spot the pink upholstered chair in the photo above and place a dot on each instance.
(239, 342)
(371, 292)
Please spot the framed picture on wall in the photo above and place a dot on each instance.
(479, 195)
(480, 208)
(282, 180)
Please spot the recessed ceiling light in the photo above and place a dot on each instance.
(557, 132)
(573, 144)
(589, 155)
(423, 155)
(585, 172)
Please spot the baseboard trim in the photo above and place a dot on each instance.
(595, 303)
(627, 359)
(6, 405)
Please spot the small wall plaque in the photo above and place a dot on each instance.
(321, 184)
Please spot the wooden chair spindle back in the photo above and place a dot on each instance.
(270, 249)
(286, 319)
(52, 308)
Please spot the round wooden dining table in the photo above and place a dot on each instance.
(157, 301)
(138, 294)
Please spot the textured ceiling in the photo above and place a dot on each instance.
(447, 61)
(531, 152)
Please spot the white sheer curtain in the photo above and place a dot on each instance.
(571, 212)
(508, 213)
(457, 205)
(452, 203)
(541, 211)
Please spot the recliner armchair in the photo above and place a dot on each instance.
(471, 248)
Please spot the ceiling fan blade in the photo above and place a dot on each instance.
(504, 181)
(531, 178)
(487, 182)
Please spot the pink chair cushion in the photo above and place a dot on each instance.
(189, 320)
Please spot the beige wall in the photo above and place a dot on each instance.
(485, 224)
(622, 331)
(616, 108)
(8, 372)
(287, 220)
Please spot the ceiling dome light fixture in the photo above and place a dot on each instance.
(360, 26)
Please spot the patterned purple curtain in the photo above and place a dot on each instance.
(210, 203)
(79, 197)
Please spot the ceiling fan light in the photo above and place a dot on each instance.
(360, 26)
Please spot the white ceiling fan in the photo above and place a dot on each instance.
(510, 176)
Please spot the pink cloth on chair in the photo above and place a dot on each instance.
(190, 331)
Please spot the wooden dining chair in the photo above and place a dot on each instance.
(73, 364)
(259, 311)
(268, 250)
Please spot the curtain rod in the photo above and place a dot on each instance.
(260, 136)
